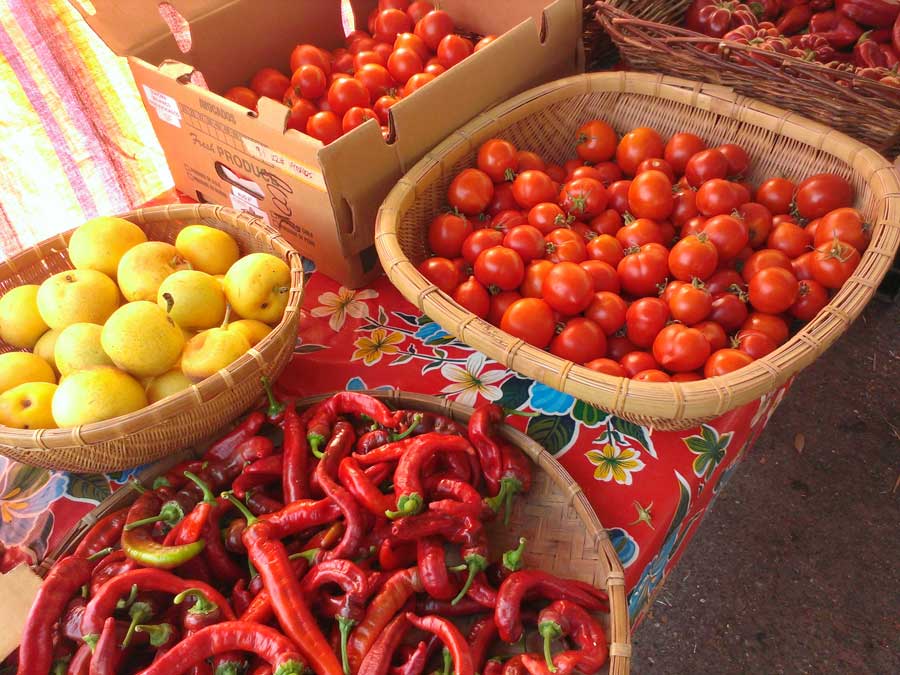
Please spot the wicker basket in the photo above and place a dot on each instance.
(564, 534)
(545, 119)
(189, 416)
(858, 106)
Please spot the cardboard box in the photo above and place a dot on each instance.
(323, 199)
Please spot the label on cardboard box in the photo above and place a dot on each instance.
(243, 201)
(306, 174)
(165, 106)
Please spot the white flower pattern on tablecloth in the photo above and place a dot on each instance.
(467, 383)
(337, 306)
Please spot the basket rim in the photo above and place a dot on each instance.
(193, 398)
(620, 395)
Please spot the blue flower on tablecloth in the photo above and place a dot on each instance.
(122, 477)
(358, 384)
(308, 267)
(548, 400)
(26, 493)
(626, 547)
(431, 333)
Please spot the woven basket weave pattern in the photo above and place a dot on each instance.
(185, 418)
(545, 120)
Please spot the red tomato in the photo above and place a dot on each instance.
(506, 220)
(705, 165)
(790, 239)
(470, 192)
(434, 27)
(636, 146)
(824, 192)
(530, 319)
(581, 341)
(714, 334)
(776, 194)
(361, 45)
(242, 96)
(532, 187)
(301, 111)
(607, 310)
(652, 375)
(725, 280)
(693, 256)
(497, 158)
(635, 362)
(736, 156)
(309, 81)
(834, 262)
(656, 164)
(650, 195)
(618, 195)
(680, 349)
(484, 42)
(845, 224)
(680, 148)
(755, 343)
(357, 116)
(310, 54)
(453, 49)
(642, 271)
(596, 141)
(441, 272)
(608, 222)
(530, 161)
(474, 297)
(415, 83)
(325, 126)
(568, 288)
(606, 172)
(362, 58)
(725, 361)
(690, 304)
(414, 42)
(583, 197)
(390, 23)
(556, 172)
(773, 290)
(684, 205)
(758, 221)
(378, 82)
(535, 273)
(668, 232)
(802, 266)
(729, 235)
(565, 245)
(270, 82)
(744, 192)
(500, 303)
(773, 326)
(417, 10)
(729, 311)
(447, 233)
(403, 63)
(382, 105)
(762, 259)
(546, 217)
(479, 241)
(811, 299)
(526, 240)
(717, 196)
(434, 69)
(606, 366)
(570, 165)
(619, 345)
(687, 377)
(499, 267)
(503, 199)
(402, 5)
(639, 232)
(606, 249)
(644, 319)
(347, 93)
(603, 275)
(694, 226)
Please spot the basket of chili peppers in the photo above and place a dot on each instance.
(835, 62)
(353, 534)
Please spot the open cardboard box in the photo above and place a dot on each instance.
(322, 199)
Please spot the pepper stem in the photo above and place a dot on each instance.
(476, 564)
(344, 626)
(135, 485)
(161, 481)
(208, 496)
(550, 630)
(309, 554)
(276, 407)
(407, 505)
(412, 425)
(290, 668)
(202, 604)
(315, 440)
(231, 668)
(139, 612)
(448, 661)
(240, 506)
(512, 560)
(101, 553)
(159, 634)
(60, 666)
(127, 602)
(509, 488)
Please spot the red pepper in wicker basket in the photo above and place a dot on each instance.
(717, 17)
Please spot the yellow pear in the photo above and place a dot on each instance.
(257, 287)
(210, 351)
(143, 268)
(220, 278)
(207, 249)
(78, 347)
(195, 300)
(45, 347)
(28, 406)
(96, 394)
(21, 324)
(77, 296)
(166, 385)
(142, 339)
(101, 242)
(20, 367)
(251, 329)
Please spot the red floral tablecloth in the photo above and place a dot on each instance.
(650, 488)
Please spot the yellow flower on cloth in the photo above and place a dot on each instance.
(615, 463)
(343, 303)
(379, 343)
(470, 381)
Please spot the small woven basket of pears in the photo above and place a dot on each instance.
(132, 337)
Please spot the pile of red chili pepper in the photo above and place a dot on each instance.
(354, 543)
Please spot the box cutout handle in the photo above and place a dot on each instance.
(181, 31)
(348, 21)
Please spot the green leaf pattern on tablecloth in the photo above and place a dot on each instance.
(710, 448)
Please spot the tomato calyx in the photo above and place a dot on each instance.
(563, 220)
(742, 295)
(839, 251)
(560, 326)
(702, 236)
(549, 248)
(795, 214)
(509, 175)
(579, 204)
(494, 289)
(627, 218)
(697, 283)
(632, 250)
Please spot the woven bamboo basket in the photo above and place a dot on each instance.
(564, 535)
(645, 35)
(545, 119)
(184, 418)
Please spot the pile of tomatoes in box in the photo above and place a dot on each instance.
(331, 93)
(643, 258)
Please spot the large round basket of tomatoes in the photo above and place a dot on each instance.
(659, 248)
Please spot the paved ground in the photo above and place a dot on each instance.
(797, 567)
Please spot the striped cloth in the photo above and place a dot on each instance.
(75, 141)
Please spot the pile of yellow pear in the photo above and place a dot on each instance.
(134, 322)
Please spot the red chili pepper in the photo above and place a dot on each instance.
(515, 666)
(262, 504)
(891, 56)
(393, 451)
(261, 472)
(137, 539)
(564, 618)
(873, 13)
(840, 31)
(453, 640)
(363, 489)
(417, 658)
(295, 479)
(482, 635)
(394, 554)
(107, 655)
(794, 20)
(516, 478)
(481, 435)
(895, 36)
(301, 515)
(193, 526)
(195, 568)
(70, 625)
(510, 561)
(408, 476)
(346, 403)
(492, 667)
(224, 449)
(433, 570)
(276, 411)
(104, 533)
(221, 564)
(266, 643)
(821, 5)
(114, 564)
(371, 440)
(377, 658)
(401, 586)
(260, 608)
(867, 53)
(518, 585)
(465, 607)
(482, 592)
(240, 597)
(63, 581)
(81, 661)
